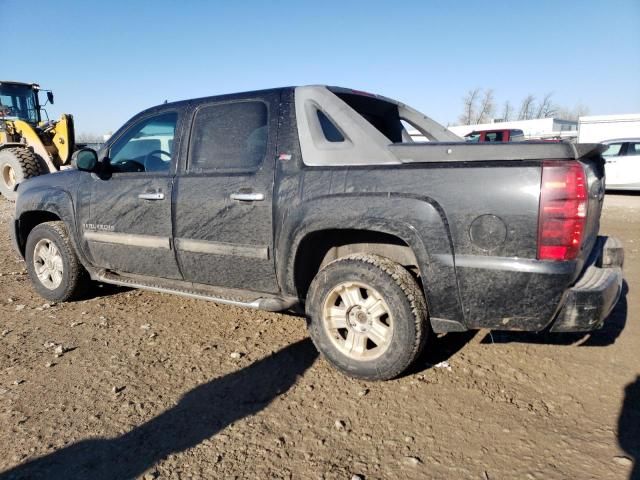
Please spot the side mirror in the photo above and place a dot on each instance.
(50, 97)
(85, 160)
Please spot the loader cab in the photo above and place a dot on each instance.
(19, 101)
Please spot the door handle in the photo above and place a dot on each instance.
(248, 197)
(151, 196)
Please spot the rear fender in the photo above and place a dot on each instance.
(417, 221)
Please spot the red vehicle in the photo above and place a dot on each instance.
(498, 135)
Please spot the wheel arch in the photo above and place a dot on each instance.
(318, 247)
(407, 229)
(43, 205)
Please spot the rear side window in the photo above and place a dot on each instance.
(633, 148)
(229, 136)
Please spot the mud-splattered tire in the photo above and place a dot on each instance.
(16, 164)
(52, 264)
(367, 316)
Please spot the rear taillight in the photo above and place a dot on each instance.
(563, 210)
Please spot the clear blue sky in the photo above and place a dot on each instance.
(108, 60)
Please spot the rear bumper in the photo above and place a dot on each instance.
(593, 296)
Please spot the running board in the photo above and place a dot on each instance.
(226, 296)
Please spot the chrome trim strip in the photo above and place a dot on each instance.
(509, 264)
(220, 248)
(256, 304)
(129, 239)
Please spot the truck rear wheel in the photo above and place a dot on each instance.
(16, 164)
(52, 264)
(367, 316)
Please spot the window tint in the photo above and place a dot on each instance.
(229, 136)
(147, 146)
(331, 132)
(613, 150)
(493, 137)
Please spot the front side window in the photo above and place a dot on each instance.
(146, 147)
(229, 136)
(613, 150)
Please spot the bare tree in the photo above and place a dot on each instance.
(88, 138)
(486, 107)
(526, 108)
(572, 113)
(546, 108)
(469, 102)
(506, 111)
(479, 107)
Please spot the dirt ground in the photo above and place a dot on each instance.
(148, 385)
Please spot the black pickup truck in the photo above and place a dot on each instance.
(315, 199)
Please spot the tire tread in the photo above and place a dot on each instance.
(414, 295)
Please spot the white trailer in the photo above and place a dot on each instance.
(599, 128)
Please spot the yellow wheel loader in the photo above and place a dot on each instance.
(29, 145)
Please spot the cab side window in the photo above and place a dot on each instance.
(148, 146)
(229, 136)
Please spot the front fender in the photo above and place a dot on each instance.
(416, 220)
(46, 200)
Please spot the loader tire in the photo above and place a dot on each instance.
(16, 164)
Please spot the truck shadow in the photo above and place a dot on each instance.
(629, 426)
(440, 348)
(607, 335)
(98, 290)
(199, 415)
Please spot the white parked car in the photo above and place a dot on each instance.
(622, 166)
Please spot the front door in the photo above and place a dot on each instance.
(223, 195)
(127, 227)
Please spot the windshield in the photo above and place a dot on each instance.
(18, 102)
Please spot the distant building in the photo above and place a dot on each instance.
(597, 128)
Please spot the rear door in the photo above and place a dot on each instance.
(628, 166)
(614, 164)
(224, 193)
(126, 219)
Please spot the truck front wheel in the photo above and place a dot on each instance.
(367, 316)
(16, 165)
(52, 264)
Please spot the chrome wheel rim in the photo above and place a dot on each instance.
(9, 176)
(47, 262)
(357, 320)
